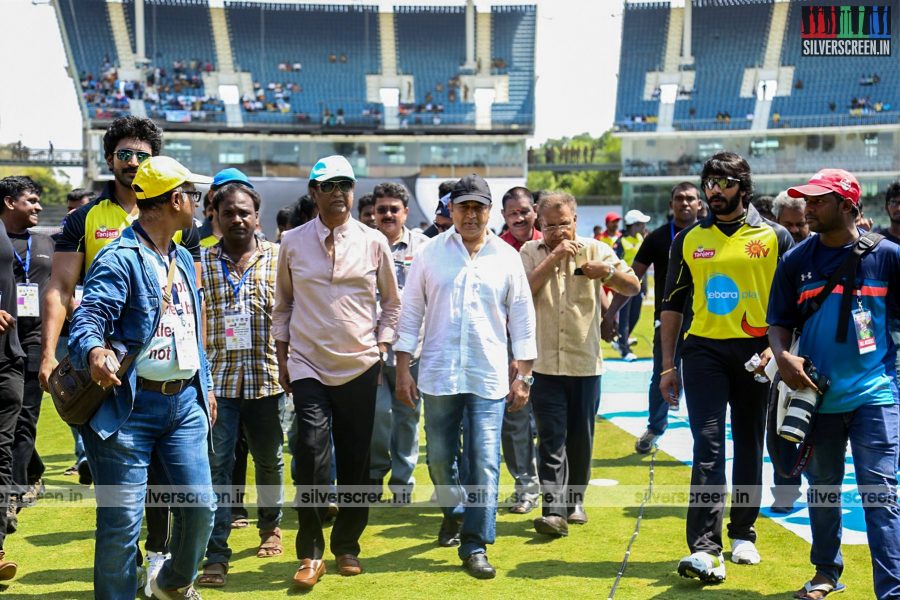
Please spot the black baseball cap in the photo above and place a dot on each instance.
(471, 188)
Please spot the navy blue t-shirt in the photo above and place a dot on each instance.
(856, 379)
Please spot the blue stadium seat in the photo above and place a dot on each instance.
(512, 36)
(644, 53)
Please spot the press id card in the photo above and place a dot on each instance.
(27, 299)
(186, 349)
(237, 332)
(865, 334)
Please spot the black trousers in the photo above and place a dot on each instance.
(345, 413)
(714, 378)
(519, 453)
(564, 408)
(27, 464)
(11, 391)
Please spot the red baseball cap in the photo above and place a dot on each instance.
(839, 181)
(611, 216)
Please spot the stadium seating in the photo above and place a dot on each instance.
(645, 53)
(431, 45)
(336, 47)
(512, 37)
(89, 34)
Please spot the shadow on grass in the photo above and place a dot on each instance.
(43, 576)
(633, 460)
(59, 537)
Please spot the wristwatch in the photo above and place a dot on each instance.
(612, 271)
(526, 379)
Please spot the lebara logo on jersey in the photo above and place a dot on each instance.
(722, 294)
(702, 252)
(103, 233)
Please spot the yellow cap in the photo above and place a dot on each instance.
(160, 174)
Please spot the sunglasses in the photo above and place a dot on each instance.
(345, 186)
(723, 182)
(383, 210)
(125, 155)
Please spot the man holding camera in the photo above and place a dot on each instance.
(860, 405)
(724, 264)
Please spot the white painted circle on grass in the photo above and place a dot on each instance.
(603, 482)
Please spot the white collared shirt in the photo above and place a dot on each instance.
(467, 304)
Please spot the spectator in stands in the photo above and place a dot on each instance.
(239, 280)
(395, 438)
(566, 274)
(790, 213)
(892, 208)
(329, 272)
(763, 205)
(467, 380)
(20, 207)
(626, 248)
(365, 208)
(612, 232)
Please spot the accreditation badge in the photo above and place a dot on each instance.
(27, 300)
(237, 331)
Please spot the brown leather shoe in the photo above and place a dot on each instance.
(309, 573)
(7, 567)
(348, 565)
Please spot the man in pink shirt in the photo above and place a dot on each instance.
(329, 340)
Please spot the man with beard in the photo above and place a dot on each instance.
(892, 208)
(685, 204)
(395, 437)
(127, 143)
(725, 265)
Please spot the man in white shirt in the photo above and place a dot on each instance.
(468, 286)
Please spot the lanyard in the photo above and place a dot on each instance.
(672, 230)
(235, 287)
(26, 264)
(170, 287)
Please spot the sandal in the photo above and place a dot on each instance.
(213, 575)
(270, 544)
(240, 523)
(823, 588)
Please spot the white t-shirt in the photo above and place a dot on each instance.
(158, 361)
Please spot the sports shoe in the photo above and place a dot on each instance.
(448, 535)
(744, 552)
(645, 443)
(630, 357)
(35, 491)
(615, 346)
(708, 568)
(186, 593)
(155, 562)
(12, 516)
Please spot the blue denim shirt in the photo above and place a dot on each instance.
(122, 301)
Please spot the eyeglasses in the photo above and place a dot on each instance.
(194, 195)
(345, 186)
(723, 182)
(383, 210)
(125, 155)
(552, 228)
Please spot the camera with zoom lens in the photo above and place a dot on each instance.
(802, 404)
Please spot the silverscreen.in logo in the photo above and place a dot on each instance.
(845, 30)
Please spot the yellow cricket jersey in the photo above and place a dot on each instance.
(630, 245)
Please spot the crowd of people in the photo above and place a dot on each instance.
(203, 336)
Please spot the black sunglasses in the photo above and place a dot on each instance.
(328, 186)
(722, 182)
(383, 210)
(125, 155)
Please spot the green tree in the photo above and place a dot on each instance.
(582, 149)
(50, 179)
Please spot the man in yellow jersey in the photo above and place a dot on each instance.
(724, 265)
(626, 248)
(612, 232)
(127, 143)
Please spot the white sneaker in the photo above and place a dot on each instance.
(744, 552)
(709, 568)
(630, 357)
(155, 562)
(188, 592)
(645, 443)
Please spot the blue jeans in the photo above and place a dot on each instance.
(395, 437)
(174, 429)
(484, 418)
(260, 419)
(874, 435)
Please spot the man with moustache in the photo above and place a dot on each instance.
(128, 142)
(470, 291)
(519, 429)
(239, 279)
(395, 438)
(329, 340)
(789, 213)
(20, 205)
(684, 204)
(724, 265)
